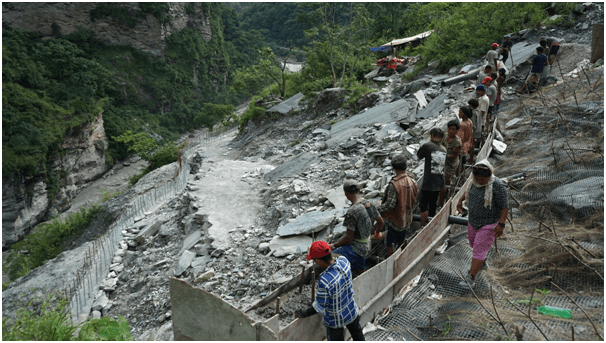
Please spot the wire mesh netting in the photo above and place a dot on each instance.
(556, 209)
(459, 316)
(85, 287)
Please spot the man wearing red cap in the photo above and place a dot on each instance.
(492, 56)
(334, 295)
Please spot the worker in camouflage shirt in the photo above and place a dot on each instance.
(359, 220)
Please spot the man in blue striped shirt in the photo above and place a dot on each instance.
(334, 295)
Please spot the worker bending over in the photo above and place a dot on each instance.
(359, 219)
(334, 295)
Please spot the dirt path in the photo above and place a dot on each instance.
(116, 180)
(230, 200)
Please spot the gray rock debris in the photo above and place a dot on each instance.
(100, 303)
(184, 262)
(306, 224)
(287, 105)
(337, 198)
(284, 246)
(148, 231)
(191, 240)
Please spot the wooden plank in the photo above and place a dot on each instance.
(457, 197)
(372, 281)
(427, 237)
(290, 285)
(304, 329)
(201, 316)
(273, 324)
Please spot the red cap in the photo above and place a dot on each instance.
(318, 249)
(495, 45)
(486, 79)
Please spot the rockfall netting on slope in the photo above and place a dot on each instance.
(81, 275)
(556, 143)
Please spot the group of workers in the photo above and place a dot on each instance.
(444, 155)
(541, 63)
(487, 201)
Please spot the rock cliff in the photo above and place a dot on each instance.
(148, 34)
(81, 158)
(25, 202)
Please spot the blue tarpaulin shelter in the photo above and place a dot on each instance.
(381, 48)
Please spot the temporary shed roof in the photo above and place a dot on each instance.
(401, 41)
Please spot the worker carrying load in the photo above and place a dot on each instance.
(334, 295)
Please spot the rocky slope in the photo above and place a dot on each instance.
(320, 146)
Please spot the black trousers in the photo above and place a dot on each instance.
(427, 202)
(355, 329)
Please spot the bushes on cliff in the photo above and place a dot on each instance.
(213, 113)
(47, 242)
(55, 85)
(47, 88)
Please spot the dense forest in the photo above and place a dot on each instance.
(52, 86)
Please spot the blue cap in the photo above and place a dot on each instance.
(507, 36)
(481, 88)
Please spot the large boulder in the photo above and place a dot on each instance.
(306, 224)
(329, 99)
(368, 100)
(284, 246)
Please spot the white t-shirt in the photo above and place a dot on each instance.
(491, 56)
(484, 103)
(491, 92)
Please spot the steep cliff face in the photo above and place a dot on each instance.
(25, 202)
(147, 34)
(81, 157)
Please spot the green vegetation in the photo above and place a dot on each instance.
(447, 326)
(251, 112)
(47, 242)
(277, 22)
(146, 147)
(155, 155)
(105, 329)
(52, 322)
(53, 87)
(467, 29)
(358, 90)
(106, 195)
(212, 113)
